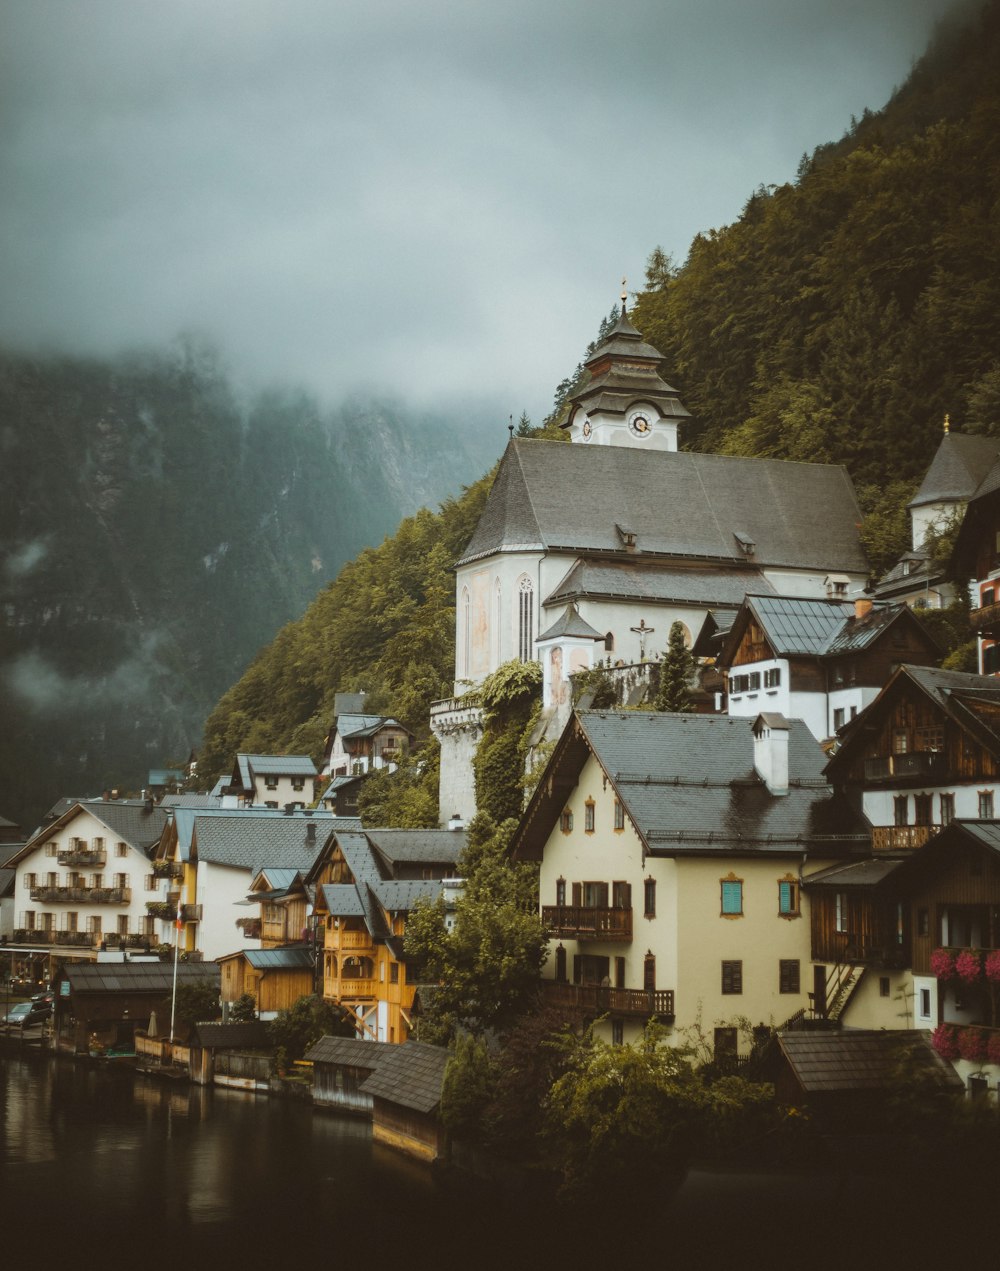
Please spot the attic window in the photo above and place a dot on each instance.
(746, 544)
(627, 536)
(836, 585)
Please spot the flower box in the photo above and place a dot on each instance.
(944, 1039)
(969, 966)
(992, 966)
(942, 965)
(972, 1045)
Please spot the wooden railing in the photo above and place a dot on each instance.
(191, 913)
(587, 922)
(83, 895)
(93, 856)
(349, 940)
(985, 619)
(916, 763)
(168, 869)
(599, 999)
(894, 838)
(348, 988)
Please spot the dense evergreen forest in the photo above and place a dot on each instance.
(838, 320)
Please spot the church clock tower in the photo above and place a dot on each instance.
(625, 402)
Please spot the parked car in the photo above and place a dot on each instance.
(25, 1014)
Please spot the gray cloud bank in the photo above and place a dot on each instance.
(435, 199)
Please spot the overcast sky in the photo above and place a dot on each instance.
(436, 199)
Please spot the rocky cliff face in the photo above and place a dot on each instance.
(156, 528)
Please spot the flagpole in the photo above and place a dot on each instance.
(177, 950)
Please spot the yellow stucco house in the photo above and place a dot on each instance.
(672, 851)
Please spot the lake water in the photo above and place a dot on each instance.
(103, 1169)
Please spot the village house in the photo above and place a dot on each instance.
(274, 978)
(359, 742)
(208, 857)
(599, 546)
(272, 781)
(822, 661)
(82, 882)
(366, 884)
(673, 851)
(958, 470)
(976, 556)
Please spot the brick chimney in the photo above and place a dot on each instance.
(862, 607)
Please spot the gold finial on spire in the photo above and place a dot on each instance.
(947, 424)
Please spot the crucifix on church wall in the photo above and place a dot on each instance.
(642, 631)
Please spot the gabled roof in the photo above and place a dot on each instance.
(796, 626)
(256, 838)
(297, 957)
(250, 766)
(410, 1075)
(971, 701)
(431, 847)
(349, 1052)
(136, 977)
(656, 583)
(858, 1059)
(957, 469)
(350, 724)
(549, 496)
(688, 785)
(137, 822)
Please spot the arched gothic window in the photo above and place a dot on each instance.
(525, 619)
(466, 644)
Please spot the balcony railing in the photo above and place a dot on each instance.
(598, 999)
(33, 935)
(191, 913)
(168, 869)
(917, 763)
(587, 922)
(96, 857)
(986, 619)
(897, 838)
(348, 989)
(349, 940)
(81, 939)
(83, 895)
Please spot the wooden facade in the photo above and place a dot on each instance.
(419, 1134)
(274, 988)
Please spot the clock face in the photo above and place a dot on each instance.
(639, 424)
(587, 429)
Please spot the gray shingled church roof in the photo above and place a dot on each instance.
(957, 469)
(657, 583)
(549, 495)
(569, 623)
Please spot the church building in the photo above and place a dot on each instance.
(590, 551)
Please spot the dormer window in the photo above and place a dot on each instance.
(627, 536)
(745, 543)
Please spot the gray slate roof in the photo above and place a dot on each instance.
(957, 469)
(255, 838)
(688, 783)
(410, 1075)
(856, 874)
(250, 766)
(136, 977)
(548, 495)
(569, 623)
(249, 1035)
(794, 625)
(349, 1051)
(131, 821)
(342, 900)
(295, 958)
(828, 1062)
(660, 583)
(430, 846)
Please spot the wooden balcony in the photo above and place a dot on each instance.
(79, 939)
(83, 895)
(597, 999)
(78, 854)
(587, 922)
(986, 621)
(347, 989)
(349, 942)
(191, 913)
(250, 927)
(916, 765)
(168, 869)
(899, 838)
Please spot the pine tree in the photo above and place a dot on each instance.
(676, 671)
(524, 428)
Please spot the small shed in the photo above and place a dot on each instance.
(277, 978)
(340, 1067)
(224, 1053)
(406, 1095)
(105, 1002)
(847, 1074)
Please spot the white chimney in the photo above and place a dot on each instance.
(770, 751)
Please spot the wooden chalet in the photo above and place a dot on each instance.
(284, 911)
(275, 978)
(366, 884)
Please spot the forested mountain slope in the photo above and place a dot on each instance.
(157, 529)
(844, 315)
